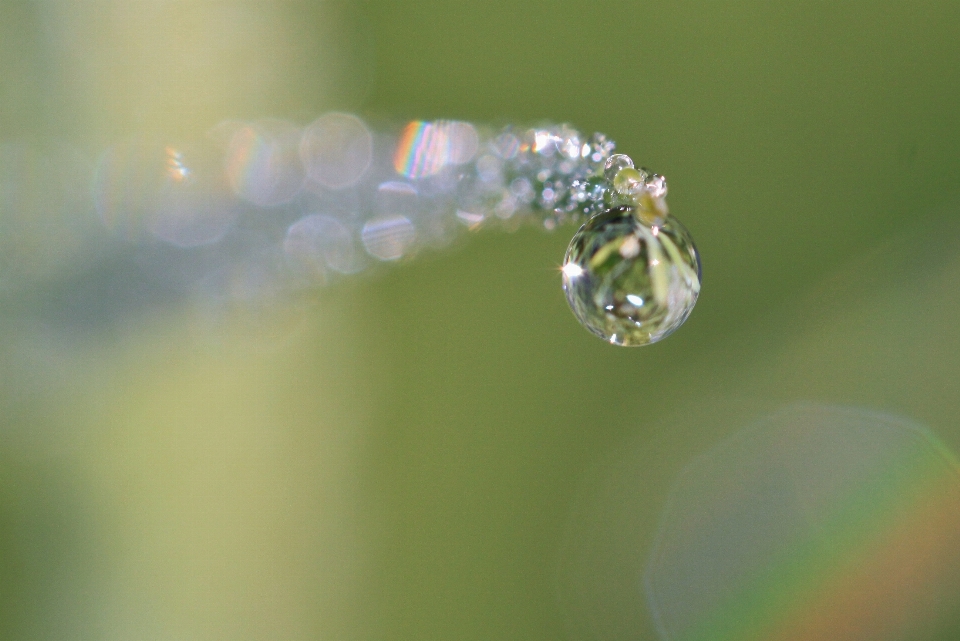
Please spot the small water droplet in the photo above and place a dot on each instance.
(657, 186)
(614, 164)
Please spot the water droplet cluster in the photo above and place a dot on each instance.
(305, 203)
(263, 209)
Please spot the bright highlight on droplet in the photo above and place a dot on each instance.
(572, 270)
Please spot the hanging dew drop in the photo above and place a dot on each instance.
(630, 282)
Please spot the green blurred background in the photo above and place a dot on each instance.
(412, 455)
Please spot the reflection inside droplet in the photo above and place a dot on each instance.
(634, 285)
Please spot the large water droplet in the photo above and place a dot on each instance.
(628, 282)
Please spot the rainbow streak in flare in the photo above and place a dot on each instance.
(422, 150)
(879, 560)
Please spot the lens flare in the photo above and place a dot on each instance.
(817, 523)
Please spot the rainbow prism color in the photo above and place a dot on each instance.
(818, 523)
(422, 149)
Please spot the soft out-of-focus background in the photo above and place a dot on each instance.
(439, 451)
